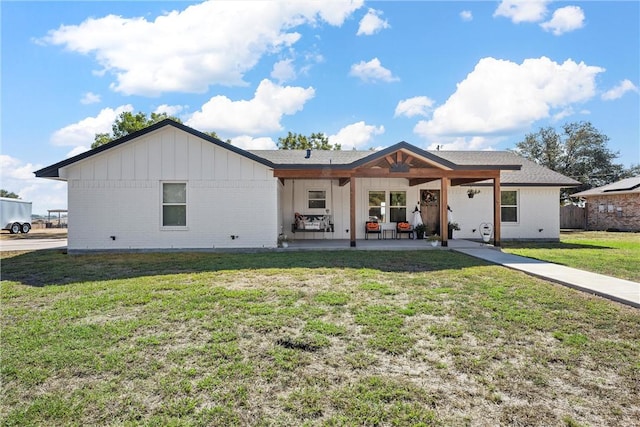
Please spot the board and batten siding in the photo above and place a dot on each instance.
(118, 193)
(538, 213)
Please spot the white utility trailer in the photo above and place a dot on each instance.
(15, 215)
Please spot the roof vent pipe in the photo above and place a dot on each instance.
(308, 153)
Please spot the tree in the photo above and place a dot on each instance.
(579, 152)
(127, 123)
(317, 141)
(8, 194)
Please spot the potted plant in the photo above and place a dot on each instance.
(433, 239)
(283, 241)
(471, 192)
(451, 227)
(420, 230)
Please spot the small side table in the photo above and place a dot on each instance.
(388, 229)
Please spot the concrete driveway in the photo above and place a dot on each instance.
(32, 244)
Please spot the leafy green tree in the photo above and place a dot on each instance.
(127, 123)
(580, 151)
(8, 194)
(316, 141)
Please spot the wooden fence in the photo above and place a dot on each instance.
(572, 216)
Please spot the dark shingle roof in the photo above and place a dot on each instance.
(515, 170)
(318, 157)
(531, 173)
(628, 185)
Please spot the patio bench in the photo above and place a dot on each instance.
(312, 223)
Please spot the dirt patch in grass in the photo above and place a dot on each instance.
(234, 341)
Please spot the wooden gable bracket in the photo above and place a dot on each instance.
(343, 181)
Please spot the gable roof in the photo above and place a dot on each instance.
(530, 173)
(53, 171)
(624, 186)
(514, 169)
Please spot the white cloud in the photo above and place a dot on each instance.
(474, 143)
(90, 98)
(259, 115)
(416, 106)
(371, 23)
(522, 11)
(565, 19)
(501, 96)
(213, 42)
(171, 110)
(283, 71)
(372, 71)
(618, 91)
(82, 133)
(247, 142)
(466, 15)
(17, 176)
(356, 135)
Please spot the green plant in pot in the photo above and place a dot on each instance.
(433, 239)
(451, 227)
(420, 230)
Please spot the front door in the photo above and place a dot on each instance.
(430, 210)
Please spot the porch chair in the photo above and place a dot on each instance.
(403, 227)
(372, 227)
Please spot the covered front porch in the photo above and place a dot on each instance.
(339, 194)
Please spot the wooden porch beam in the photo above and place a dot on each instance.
(418, 173)
(399, 157)
(408, 159)
(389, 160)
(497, 217)
(343, 181)
(444, 211)
(352, 212)
(478, 175)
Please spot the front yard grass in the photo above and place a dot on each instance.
(307, 338)
(612, 254)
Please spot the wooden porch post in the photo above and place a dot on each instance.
(352, 211)
(444, 212)
(496, 211)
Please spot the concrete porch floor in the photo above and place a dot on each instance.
(382, 245)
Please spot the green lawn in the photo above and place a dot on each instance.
(307, 338)
(613, 254)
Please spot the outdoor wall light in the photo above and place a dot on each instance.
(113, 237)
(540, 230)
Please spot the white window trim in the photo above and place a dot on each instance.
(405, 206)
(186, 204)
(326, 204)
(517, 206)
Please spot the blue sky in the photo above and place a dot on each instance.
(465, 75)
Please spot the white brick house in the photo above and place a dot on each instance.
(172, 187)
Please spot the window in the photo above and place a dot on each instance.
(377, 205)
(317, 199)
(398, 206)
(509, 206)
(174, 204)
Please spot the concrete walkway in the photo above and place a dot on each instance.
(623, 291)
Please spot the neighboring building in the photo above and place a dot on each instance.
(172, 187)
(613, 206)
